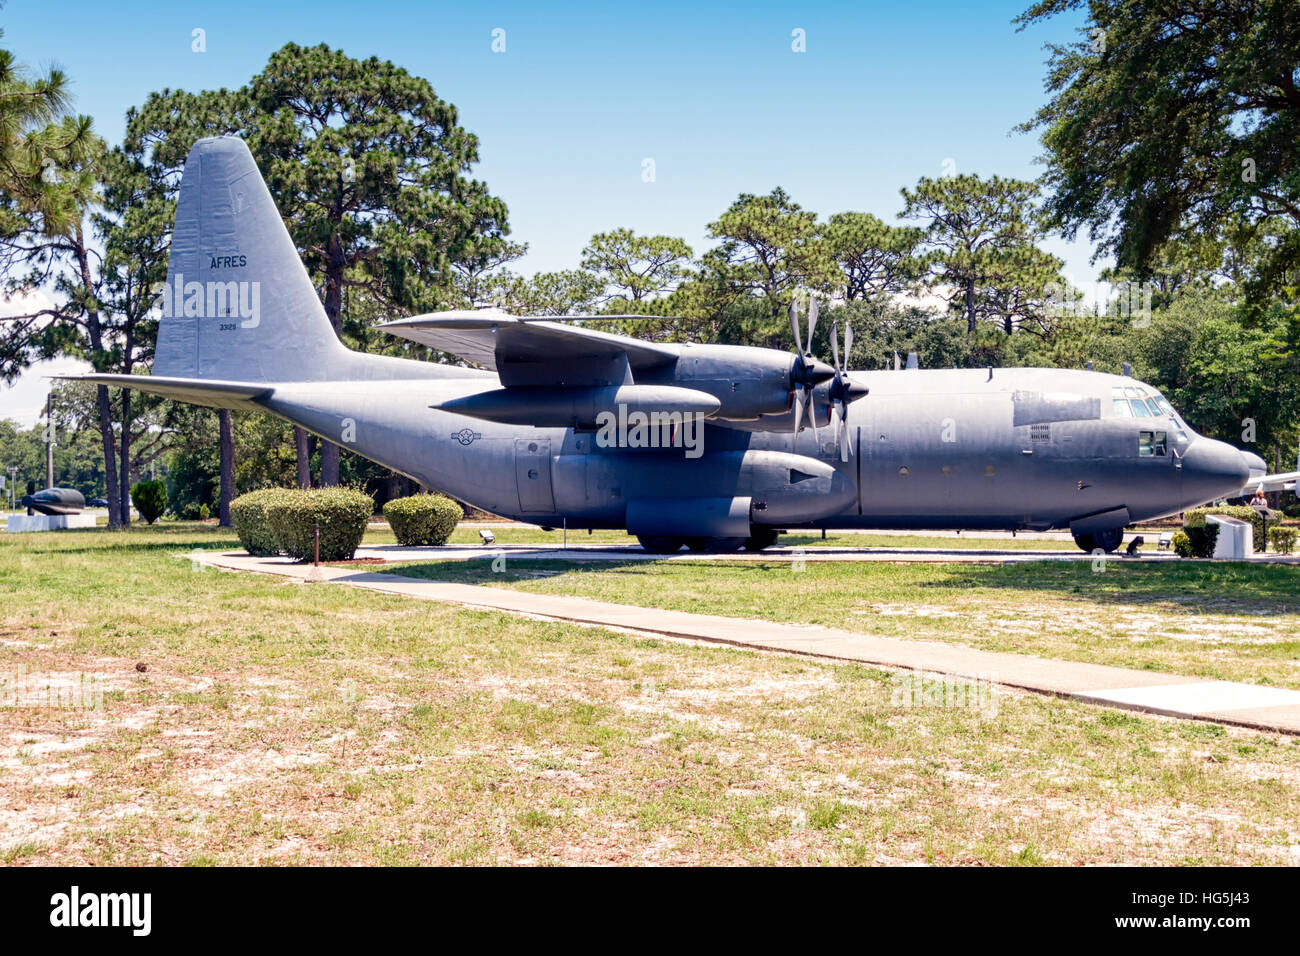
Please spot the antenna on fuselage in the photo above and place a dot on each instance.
(1128, 370)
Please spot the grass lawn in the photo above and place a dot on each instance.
(277, 722)
(1234, 622)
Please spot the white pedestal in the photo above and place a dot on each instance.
(1236, 541)
(22, 523)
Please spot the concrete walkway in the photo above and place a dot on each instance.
(1247, 705)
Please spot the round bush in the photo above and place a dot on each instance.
(422, 519)
(341, 513)
(150, 499)
(248, 515)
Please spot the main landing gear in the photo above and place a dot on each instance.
(759, 538)
(1107, 540)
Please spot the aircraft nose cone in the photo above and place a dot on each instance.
(1258, 467)
(1217, 469)
(812, 372)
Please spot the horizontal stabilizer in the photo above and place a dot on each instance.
(214, 394)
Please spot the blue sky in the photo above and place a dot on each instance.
(584, 92)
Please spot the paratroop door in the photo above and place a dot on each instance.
(533, 474)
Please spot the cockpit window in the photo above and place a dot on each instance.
(1140, 409)
(1153, 444)
(1122, 408)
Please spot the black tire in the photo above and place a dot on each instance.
(1107, 540)
(659, 543)
(760, 538)
(714, 545)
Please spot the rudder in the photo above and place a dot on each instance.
(238, 304)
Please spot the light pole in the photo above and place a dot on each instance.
(13, 494)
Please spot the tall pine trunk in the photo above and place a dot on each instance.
(304, 456)
(126, 457)
(227, 467)
(104, 406)
(970, 304)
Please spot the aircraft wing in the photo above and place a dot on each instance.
(532, 351)
(1283, 482)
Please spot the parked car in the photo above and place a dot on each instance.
(97, 503)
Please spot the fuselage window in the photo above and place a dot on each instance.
(1153, 444)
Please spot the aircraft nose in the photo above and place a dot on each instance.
(1258, 467)
(1216, 469)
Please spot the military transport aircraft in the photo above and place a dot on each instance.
(550, 428)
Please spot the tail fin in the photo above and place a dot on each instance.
(239, 305)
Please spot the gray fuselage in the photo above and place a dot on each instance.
(970, 449)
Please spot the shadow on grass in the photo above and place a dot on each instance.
(1182, 587)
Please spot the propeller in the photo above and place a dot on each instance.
(806, 373)
(843, 390)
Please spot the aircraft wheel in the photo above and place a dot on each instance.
(714, 545)
(761, 538)
(1107, 540)
(659, 543)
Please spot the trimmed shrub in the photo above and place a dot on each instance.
(422, 519)
(1196, 518)
(150, 499)
(248, 515)
(1202, 539)
(341, 513)
(1183, 545)
(1282, 539)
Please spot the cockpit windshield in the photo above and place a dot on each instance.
(1132, 401)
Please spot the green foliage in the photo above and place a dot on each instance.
(980, 237)
(874, 257)
(248, 515)
(632, 268)
(1171, 120)
(150, 499)
(770, 247)
(422, 519)
(1202, 539)
(340, 513)
(1282, 540)
(1183, 545)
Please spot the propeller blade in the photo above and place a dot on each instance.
(812, 319)
(798, 411)
(848, 441)
(794, 324)
(835, 342)
(812, 415)
(848, 343)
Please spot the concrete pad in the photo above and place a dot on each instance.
(1202, 697)
(1250, 705)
